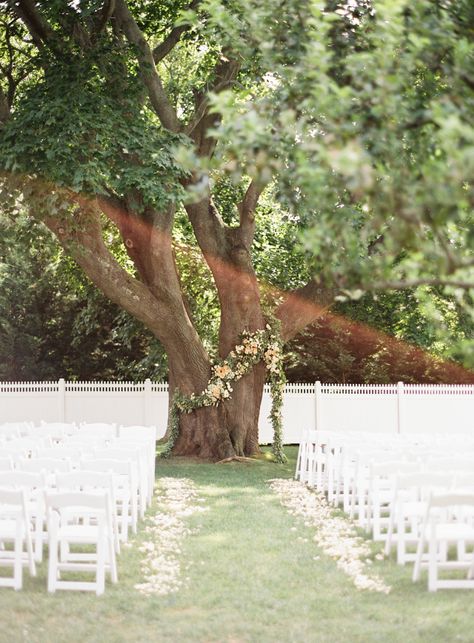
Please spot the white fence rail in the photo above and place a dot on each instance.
(382, 408)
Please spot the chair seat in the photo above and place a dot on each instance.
(454, 531)
(7, 529)
(86, 534)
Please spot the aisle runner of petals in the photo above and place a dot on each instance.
(165, 530)
(335, 535)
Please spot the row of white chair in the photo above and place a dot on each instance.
(60, 429)
(387, 486)
(86, 486)
(73, 518)
(87, 436)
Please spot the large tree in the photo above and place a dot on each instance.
(120, 117)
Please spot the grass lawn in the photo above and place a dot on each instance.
(251, 577)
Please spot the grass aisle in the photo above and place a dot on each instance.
(248, 575)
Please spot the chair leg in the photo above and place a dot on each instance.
(18, 563)
(419, 555)
(112, 559)
(432, 564)
(53, 556)
(391, 522)
(30, 551)
(100, 571)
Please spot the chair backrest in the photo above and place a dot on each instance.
(22, 480)
(84, 481)
(48, 465)
(13, 505)
(453, 499)
(122, 467)
(9, 432)
(143, 446)
(138, 432)
(6, 463)
(55, 432)
(67, 428)
(99, 429)
(70, 500)
(13, 451)
(60, 453)
(20, 428)
(131, 454)
(453, 464)
(392, 468)
(87, 441)
(463, 482)
(424, 483)
(13, 498)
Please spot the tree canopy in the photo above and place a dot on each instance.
(130, 125)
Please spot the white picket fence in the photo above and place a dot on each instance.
(382, 408)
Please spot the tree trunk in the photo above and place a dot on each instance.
(227, 430)
(232, 427)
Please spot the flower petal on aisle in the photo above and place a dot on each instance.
(335, 535)
(177, 500)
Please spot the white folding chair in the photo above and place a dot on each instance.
(54, 433)
(60, 428)
(85, 444)
(130, 453)
(15, 428)
(446, 523)
(98, 429)
(407, 510)
(15, 529)
(90, 481)
(143, 436)
(125, 490)
(84, 519)
(49, 467)
(9, 432)
(146, 463)
(61, 452)
(382, 483)
(33, 484)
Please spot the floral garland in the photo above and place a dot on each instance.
(264, 344)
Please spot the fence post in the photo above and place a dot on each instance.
(62, 399)
(147, 403)
(400, 418)
(317, 406)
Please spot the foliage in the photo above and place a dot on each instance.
(324, 147)
(54, 323)
(387, 338)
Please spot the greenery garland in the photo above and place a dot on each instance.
(264, 344)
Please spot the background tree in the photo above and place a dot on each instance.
(119, 118)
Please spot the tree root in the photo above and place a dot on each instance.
(235, 458)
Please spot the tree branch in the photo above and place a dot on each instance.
(104, 16)
(468, 80)
(4, 107)
(40, 30)
(151, 79)
(247, 210)
(225, 73)
(172, 39)
(209, 228)
(86, 246)
(302, 307)
(414, 283)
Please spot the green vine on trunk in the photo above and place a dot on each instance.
(264, 344)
